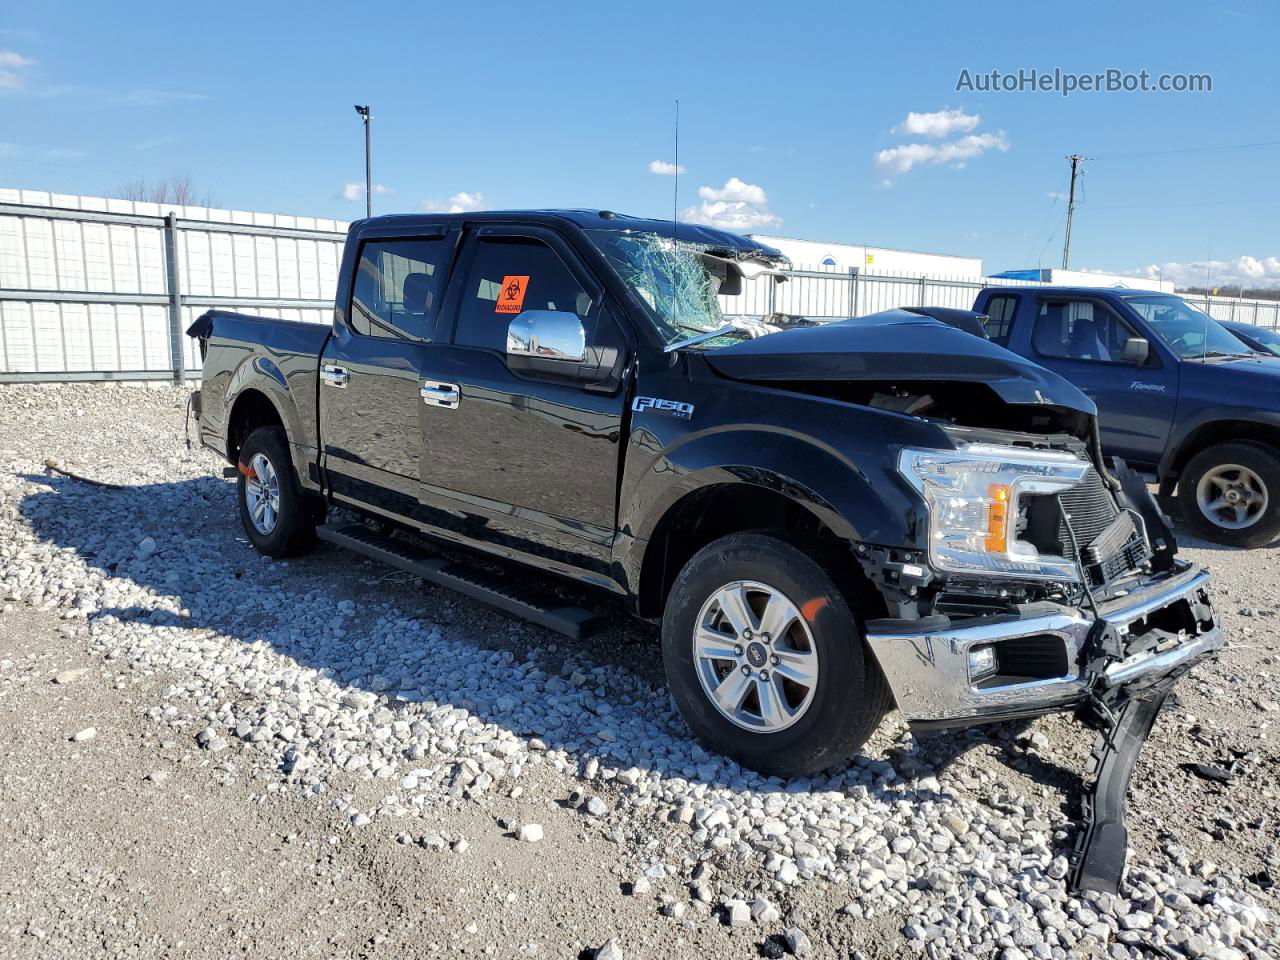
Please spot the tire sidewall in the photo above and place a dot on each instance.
(271, 443)
(833, 726)
(1262, 460)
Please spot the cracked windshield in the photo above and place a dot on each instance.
(680, 281)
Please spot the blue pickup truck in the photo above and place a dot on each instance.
(1177, 394)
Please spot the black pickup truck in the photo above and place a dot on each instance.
(827, 519)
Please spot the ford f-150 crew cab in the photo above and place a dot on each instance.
(827, 519)
(1178, 395)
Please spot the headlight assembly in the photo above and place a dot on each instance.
(973, 498)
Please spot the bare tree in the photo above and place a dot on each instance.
(177, 190)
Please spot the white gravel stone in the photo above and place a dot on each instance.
(529, 832)
(88, 733)
(318, 677)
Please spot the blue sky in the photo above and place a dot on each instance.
(794, 119)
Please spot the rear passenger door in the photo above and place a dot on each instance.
(527, 460)
(1083, 340)
(370, 405)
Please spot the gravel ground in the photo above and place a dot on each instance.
(204, 752)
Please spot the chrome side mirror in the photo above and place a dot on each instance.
(548, 334)
(1135, 351)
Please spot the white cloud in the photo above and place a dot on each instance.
(13, 69)
(940, 123)
(1245, 271)
(355, 190)
(460, 202)
(896, 161)
(662, 168)
(737, 206)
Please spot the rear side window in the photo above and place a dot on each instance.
(1079, 330)
(999, 322)
(508, 276)
(398, 287)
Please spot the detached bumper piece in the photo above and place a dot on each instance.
(1115, 666)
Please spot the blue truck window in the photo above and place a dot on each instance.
(1079, 330)
(999, 320)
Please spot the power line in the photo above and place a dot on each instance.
(1178, 150)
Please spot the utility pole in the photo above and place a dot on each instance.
(368, 167)
(1075, 159)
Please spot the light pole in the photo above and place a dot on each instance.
(368, 167)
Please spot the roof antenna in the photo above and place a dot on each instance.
(675, 178)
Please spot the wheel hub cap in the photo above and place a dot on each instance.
(755, 656)
(1232, 496)
(262, 494)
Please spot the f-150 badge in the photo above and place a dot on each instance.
(675, 408)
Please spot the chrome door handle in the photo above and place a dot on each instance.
(335, 376)
(437, 394)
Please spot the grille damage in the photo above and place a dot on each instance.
(1111, 543)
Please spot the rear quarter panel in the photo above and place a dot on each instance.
(278, 358)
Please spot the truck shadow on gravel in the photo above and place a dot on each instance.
(338, 614)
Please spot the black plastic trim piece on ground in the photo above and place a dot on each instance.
(1099, 857)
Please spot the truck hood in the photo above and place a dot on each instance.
(895, 346)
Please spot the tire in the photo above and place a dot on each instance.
(288, 525)
(1255, 480)
(823, 724)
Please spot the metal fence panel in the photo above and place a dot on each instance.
(85, 288)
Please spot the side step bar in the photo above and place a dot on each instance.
(493, 589)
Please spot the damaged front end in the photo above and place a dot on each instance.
(1108, 643)
(1041, 581)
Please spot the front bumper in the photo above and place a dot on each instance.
(1156, 631)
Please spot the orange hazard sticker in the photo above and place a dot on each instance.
(511, 296)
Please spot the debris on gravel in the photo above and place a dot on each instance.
(344, 685)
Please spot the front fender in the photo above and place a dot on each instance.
(862, 499)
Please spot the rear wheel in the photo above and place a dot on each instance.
(1230, 493)
(278, 517)
(765, 658)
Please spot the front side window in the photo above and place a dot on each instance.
(398, 287)
(508, 276)
(1080, 330)
(1188, 332)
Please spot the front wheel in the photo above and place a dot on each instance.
(1230, 493)
(765, 658)
(278, 517)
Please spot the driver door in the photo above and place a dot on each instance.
(525, 461)
(1083, 340)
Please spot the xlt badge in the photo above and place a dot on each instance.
(682, 411)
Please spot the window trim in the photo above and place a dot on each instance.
(1153, 361)
(446, 267)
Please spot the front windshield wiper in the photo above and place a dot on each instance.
(1221, 354)
(706, 335)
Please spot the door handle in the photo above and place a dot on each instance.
(335, 376)
(437, 394)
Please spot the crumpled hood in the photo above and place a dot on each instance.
(895, 346)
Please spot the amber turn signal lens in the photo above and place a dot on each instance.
(997, 538)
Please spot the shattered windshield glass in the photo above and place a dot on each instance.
(679, 280)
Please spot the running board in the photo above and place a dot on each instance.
(493, 589)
